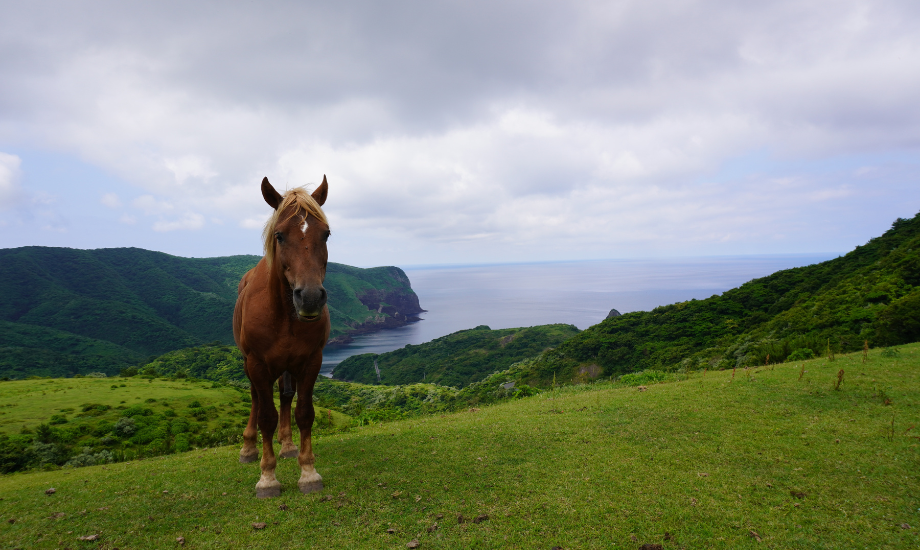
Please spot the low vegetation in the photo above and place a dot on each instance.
(768, 457)
(50, 423)
(457, 359)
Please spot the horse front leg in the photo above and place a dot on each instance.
(286, 388)
(268, 485)
(249, 452)
(310, 481)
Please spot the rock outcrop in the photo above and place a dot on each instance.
(390, 309)
(613, 313)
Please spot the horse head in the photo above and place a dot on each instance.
(295, 245)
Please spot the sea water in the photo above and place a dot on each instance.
(578, 293)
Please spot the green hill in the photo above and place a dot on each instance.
(871, 295)
(772, 458)
(457, 359)
(65, 311)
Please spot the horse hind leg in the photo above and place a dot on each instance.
(286, 388)
(249, 452)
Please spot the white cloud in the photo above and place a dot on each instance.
(189, 220)
(111, 200)
(10, 192)
(189, 166)
(584, 128)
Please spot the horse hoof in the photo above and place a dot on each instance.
(246, 458)
(268, 492)
(290, 453)
(310, 487)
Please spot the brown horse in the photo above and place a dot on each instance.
(281, 324)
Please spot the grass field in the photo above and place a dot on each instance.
(766, 458)
(30, 402)
(86, 417)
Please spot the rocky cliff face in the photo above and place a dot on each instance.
(397, 303)
(387, 309)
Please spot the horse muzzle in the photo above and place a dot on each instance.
(309, 302)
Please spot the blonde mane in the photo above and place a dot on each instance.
(304, 205)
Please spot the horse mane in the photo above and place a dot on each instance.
(304, 204)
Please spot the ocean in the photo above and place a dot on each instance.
(580, 293)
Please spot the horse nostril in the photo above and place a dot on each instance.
(298, 293)
(322, 293)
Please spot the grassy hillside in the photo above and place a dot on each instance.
(457, 359)
(65, 311)
(871, 294)
(761, 458)
(80, 421)
(365, 403)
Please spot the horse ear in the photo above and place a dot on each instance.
(320, 194)
(272, 197)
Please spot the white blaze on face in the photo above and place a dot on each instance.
(304, 227)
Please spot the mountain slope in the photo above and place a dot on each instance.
(870, 295)
(457, 359)
(64, 311)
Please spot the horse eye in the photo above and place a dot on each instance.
(280, 236)
(326, 235)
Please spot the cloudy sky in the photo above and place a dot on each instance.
(456, 132)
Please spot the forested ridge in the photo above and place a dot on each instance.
(870, 296)
(457, 359)
(66, 311)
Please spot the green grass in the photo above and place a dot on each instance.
(30, 402)
(80, 416)
(710, 460)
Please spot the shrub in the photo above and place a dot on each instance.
(125, 427)
(891, 352)
(150, 370)
(180, 425)
(801, 354)
(137, 410)
(87, 458)
(15, 453)
(128, 372)
(642, 378)
(182, 443)
(143, 436)
(103, 428)
(57, 419)
(47, 453)
(45, 434)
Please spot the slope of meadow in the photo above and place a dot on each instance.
(766, 457)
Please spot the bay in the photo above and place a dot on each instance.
(580, 293)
